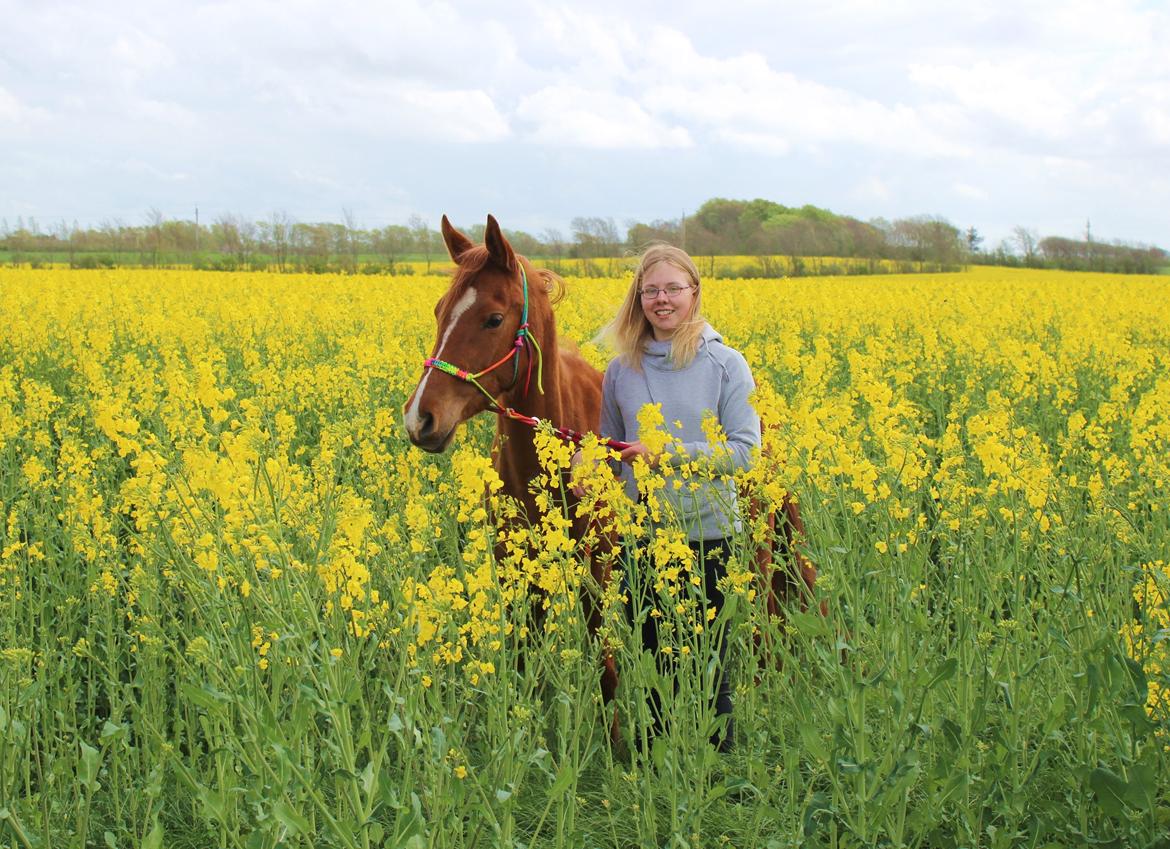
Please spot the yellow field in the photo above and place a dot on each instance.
(236, 602)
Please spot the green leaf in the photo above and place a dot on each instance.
(658, 753)
(1056, 714)
(205, 697)
(1111, 790)
(369, 779)
(290, 818)
(818, 804)
(91, 759)
(438, 740)
(154, 840)
(154, 780)
(1136, 677)
(945, 672)
(110, 729)
(813, 744)
(952, 731)
(1142, 789)
(564, 779)
(213, 803)
(848, 767)
(109, 839)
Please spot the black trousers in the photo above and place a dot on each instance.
(713, 555)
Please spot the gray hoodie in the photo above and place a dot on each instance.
(717, 380)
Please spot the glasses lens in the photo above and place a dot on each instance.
(673, 291)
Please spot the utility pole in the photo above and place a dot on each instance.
(683, 231)
(197, 230)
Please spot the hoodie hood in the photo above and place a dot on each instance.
(656, 355)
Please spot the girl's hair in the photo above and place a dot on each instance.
(630, 330)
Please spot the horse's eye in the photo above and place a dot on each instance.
(494, 320)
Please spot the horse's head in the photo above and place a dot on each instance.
(479, 320)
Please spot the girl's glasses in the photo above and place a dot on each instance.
(672, 291)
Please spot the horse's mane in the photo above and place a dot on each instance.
(554, 284)
(473, 260)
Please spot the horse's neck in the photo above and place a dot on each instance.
(516, 450)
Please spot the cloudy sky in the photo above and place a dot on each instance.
(993, 114)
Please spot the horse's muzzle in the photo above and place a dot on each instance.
(421, 431)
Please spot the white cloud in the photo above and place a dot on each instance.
(1015, 93)
(742, 99)
(453, 115)
(570, 116)
(773, 143)
(966, 190)
(1156, 120)
(573, 44)
(139, 53)
(873, 189)
(153, 172)
(11, 109)
(16, 114)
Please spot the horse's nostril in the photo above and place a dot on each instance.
(426, 424)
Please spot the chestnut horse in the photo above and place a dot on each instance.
(496, 330)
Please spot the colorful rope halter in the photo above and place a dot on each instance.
(524, 340)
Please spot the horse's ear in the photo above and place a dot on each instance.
(457, 243)
(498, 248)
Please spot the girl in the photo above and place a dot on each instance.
(670, 356)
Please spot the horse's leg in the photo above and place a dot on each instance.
(802, 577)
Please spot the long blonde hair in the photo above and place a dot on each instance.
(630, 330)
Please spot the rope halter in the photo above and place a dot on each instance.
(524, 340)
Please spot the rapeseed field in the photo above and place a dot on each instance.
(238, 609)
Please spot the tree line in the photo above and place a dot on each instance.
(767, 238)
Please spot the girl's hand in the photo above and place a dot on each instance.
(637, 449)
(577, 489)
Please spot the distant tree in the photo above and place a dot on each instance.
(280, 236)
(424, 238)
(639, 235)
(523, 243)
(392, 242)
(112, 230)
(554, 242)
(1025, 241)
(349, 238)
(154, 233)
(594, 237)
(973, 239)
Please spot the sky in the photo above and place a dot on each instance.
(1044, 114)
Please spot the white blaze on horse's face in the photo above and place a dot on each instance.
(421, 421)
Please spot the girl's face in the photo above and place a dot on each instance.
(667, 296)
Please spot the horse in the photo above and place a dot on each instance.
(495, 326)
